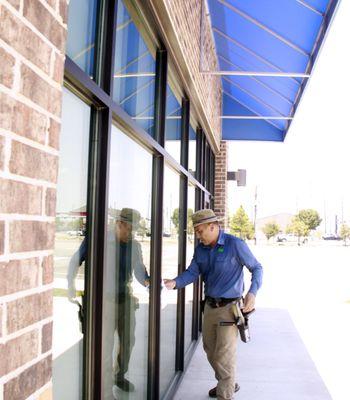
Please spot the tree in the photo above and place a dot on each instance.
(298, 228)
(345, 233)
(270, 229)
(175, 220)
(241, 226)
(310, 218)
(190, 229)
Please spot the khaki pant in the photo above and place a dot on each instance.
(220, 344)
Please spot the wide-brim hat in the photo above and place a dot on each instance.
(129, 215)
(205, 216)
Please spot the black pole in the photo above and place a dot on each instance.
(156, 230)
(180, 325)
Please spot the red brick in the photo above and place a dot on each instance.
(45, 22)
(54, 134)
(52, 3)
(33, 163)
(50, 202)
(2, 150)
(18, 351)
(47, 267)
(14, 3)
(29, 381)
(64, 10)
(58, 69)
(7, 63)
(22, 120)
(46, 337)
(19, 198)
(40, 91)
(31, 236)
(1, 320)
(28, 310)
(18, 275)
(24, 40)
(2, 237)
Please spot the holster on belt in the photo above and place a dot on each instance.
(240, 320)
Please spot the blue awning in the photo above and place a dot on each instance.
(266, 51)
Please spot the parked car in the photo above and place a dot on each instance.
(331, 236)
(282, 238)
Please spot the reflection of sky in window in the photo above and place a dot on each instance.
(81, 33)
(74, 145)
(130, 176)
(173, 125)
(135, 94)
(192, 149)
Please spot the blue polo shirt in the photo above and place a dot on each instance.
(222, 268)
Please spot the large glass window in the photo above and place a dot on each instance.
(82, 15)
(192, 151)
(189, 255)
(70, 248)
(169, 271)
(173, 125)
(126, 294)
(134, 72)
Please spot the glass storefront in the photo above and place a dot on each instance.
(132, 347)
(192, 148)
(70, 248)
(189, 254)
(126, 282)
(82, 15)
(169, 271)
(173, 125)
(134, 72)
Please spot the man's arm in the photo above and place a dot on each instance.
(187, 277)
(75, 262)
(140, 270)
(247, 258)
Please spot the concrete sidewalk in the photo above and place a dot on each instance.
(275, 365)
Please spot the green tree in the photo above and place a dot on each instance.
(345, 233)
(310, 218)
(241, 226)
(176, 222)
(298, 228)
(190, 229)
(270, 230)
(175, 219)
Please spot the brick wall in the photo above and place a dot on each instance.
(185, 31)
(32, 45)
(220, 191)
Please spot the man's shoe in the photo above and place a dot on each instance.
(124, 384)
(212, 392)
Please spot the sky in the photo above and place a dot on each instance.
(311, 168)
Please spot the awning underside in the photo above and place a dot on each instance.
(266, 51)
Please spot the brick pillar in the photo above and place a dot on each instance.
(32, 47)
(220, 190)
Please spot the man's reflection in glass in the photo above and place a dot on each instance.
(125, 253)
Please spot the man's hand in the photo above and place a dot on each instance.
(169, 283)
(249, 303)
(72, 293)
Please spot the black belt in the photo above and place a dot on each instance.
(216, 302)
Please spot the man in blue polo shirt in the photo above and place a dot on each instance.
(220, 258)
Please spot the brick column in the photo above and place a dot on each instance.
(220, 191)
(32, 47)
